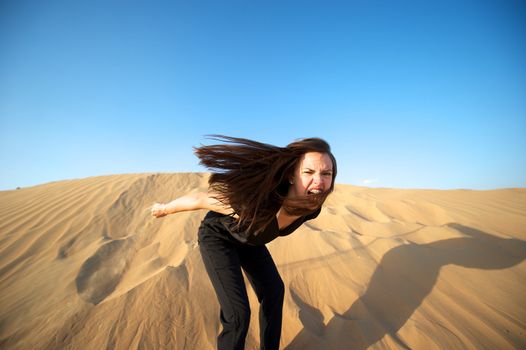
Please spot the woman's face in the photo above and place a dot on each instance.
(313, 174)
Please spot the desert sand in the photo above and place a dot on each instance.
(83, 265)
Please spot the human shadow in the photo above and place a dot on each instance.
(403, 278)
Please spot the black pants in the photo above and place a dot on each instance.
(224, 257)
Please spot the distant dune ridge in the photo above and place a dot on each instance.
(84, 266)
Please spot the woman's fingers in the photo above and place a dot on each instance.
(158, 210)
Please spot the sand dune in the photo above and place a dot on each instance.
(84, 266)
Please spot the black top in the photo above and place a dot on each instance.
(270, 232)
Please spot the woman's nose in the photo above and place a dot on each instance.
(318, 179)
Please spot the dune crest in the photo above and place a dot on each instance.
(84, 266)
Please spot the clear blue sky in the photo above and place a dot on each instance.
(410, 94)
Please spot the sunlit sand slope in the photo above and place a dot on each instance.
(84, 266)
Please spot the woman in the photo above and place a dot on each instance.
(257, 192)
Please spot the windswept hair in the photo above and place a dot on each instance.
(253, 177)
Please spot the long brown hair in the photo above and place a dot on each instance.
(253, 177)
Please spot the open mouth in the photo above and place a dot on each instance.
(314, 191)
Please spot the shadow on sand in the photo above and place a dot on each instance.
(404, 277)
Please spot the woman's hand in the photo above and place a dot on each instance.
(159, 210)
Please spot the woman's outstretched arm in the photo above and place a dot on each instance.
(192, 201)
